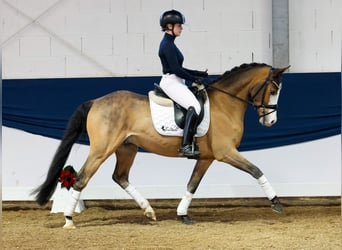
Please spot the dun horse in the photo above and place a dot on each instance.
(121, 123)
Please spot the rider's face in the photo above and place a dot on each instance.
(177, 29)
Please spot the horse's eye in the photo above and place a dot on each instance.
(273, 92)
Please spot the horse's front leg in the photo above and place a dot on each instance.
(235, 159)
(196, 177)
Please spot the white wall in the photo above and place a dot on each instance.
(315, 35)
(86, 38)
(297, 170)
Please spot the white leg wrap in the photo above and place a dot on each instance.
(142, 202)
(71, 205)
(183, 206)
(266, 186)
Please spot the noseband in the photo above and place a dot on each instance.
(263, 86)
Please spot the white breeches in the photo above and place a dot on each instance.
(176, 89)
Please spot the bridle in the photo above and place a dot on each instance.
(272, 107)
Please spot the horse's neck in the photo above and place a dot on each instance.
(236, 91)
(231, 98)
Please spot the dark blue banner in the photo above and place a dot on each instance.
(309, 106)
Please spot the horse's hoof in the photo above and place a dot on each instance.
(150, 216)
(276, 205)
(186, 220)
(149, 213)
(69, 226)
(277, 208)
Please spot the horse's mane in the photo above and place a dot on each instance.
(234, 72)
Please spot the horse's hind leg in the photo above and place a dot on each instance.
(93, 162)
(125, 155)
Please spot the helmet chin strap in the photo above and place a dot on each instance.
(173, 33)
(173, 26)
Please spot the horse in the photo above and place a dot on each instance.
(120, 122)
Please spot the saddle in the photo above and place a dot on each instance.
(180, 112)
(168, 117)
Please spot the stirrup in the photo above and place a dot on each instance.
(189, 151)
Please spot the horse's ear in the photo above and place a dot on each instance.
(282, 70)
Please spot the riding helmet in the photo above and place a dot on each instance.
(172, 17)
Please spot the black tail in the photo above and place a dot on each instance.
(76, 125)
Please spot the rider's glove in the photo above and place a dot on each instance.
(204, 81)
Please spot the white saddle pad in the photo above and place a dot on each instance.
(163, 117)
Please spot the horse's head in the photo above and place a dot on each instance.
(265, 94)
(256, 84)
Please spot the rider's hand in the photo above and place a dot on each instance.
(204, 81)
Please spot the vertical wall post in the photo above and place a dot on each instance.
(280, 32)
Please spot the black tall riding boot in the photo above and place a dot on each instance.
(188, 148)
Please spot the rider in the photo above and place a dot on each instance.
(174, 76)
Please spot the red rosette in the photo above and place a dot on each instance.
(67, 178)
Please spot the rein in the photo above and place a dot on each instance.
(230, 94)
(273, 107)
